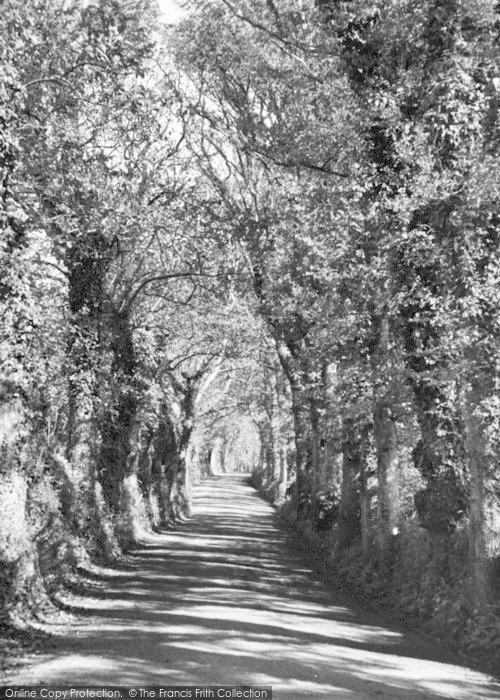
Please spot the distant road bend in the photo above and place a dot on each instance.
(228, 599)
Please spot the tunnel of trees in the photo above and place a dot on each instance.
(267, 240)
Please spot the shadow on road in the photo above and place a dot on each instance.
(228, 599)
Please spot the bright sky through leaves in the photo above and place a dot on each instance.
(170, 11)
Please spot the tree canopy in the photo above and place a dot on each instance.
(265, 238)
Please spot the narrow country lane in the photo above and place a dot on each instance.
(228, 599)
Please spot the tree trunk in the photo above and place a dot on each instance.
(385, 432)
(119, 459)
(18, 556)
(350, 504)
(364, 497)
(302, 431)
(146, 479)
(180, 496)
(163, 464)
(386, 440)
(274, 426)
(167, 481)
(440, 453)
(301, 418)
(317, 463)
(86, 264)
(477, 463)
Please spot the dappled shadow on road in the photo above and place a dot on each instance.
(227, 599)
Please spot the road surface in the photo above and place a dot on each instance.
(228, 599)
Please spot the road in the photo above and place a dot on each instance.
(227, 598)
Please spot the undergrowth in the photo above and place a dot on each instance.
(423, 580)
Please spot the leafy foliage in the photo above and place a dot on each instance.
(282, 219)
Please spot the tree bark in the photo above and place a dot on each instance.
(163, 460)
(274, 428)
(20, 584)
(180, 503)
(364, 498)
(283, 477)
(385, 431)
(477, 463)
(353, 457)
(317, 463)
(302, 431)
(386, 439)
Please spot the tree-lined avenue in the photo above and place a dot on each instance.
(229, 598)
